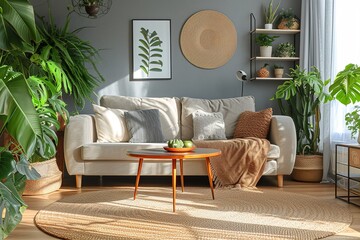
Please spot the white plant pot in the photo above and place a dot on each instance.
(278, 72)
(265, 51)
(358, 140)
(268, 26)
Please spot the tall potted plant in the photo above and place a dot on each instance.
(300, 98)
(270, 14)
(346, 89)
(18, 117)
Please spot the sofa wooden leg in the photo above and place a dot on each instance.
(78, 181)
(280, 180)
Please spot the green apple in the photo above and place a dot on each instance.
(188, 143)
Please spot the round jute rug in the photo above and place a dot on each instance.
(234, 214)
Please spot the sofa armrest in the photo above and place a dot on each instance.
(79, 131)
(283, 134)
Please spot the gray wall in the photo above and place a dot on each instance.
(112, 33)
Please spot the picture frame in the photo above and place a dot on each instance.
(151, 49)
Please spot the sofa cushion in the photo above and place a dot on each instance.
(144, 126)
(110, 125)
(114, 151)
(229, 107)
(208, 126)
(253, 124)
(118, 151)
(169, 109)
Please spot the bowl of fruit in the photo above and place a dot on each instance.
(178, 145)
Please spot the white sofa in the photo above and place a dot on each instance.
(85, 156)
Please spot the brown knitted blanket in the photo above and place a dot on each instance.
(241, 162)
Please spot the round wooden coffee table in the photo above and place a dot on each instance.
(162, 154)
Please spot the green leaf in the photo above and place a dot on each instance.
(7, 164)
(145, 63)
(144, 56)
(144, 70)
(144, 43)
(144, 50)
(155, 70)
(156, 55)
(18, 27)
(157, 43)
(346, 86)
(153, 34)
(24, 167)
(12, 205)
(22, 119)
(157, 50)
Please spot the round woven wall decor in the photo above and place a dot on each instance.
(208, 39)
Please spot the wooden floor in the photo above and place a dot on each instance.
(27, 230)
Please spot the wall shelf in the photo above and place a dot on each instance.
(275, 58)
(270, 78)
(275, 31)
(255, 59)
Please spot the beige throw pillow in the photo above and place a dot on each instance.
(110, 124)
(253, 124)
(208, 126)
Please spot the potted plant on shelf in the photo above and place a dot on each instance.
(265, 42)
(288, 20)
(263, 72)
(300, 98)
(278, 71)
(285, 50)
(270, 14)
(346, 89)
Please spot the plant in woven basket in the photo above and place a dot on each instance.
(288, 20)
(300, 98)
(263, 72)
(285, 50)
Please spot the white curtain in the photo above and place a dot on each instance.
(330, 42)
(316, 49)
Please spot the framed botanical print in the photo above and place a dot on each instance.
(151, 49)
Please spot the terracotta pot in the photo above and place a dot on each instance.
(308, 168)
(50, 181)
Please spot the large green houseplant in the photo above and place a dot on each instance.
(300, 98)
(346, 89)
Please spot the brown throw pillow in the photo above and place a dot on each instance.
(253, 124)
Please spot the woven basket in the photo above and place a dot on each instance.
(308, 168)
(283, 24)
(50, 181)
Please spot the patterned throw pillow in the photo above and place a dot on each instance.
(208, 126)
(110, 124)
(253, 124)
(144, 126)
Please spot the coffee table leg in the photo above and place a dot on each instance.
(182, 174)
(174, 182)
(138, 176)
(210, 176)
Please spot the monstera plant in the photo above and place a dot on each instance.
(18, 116)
